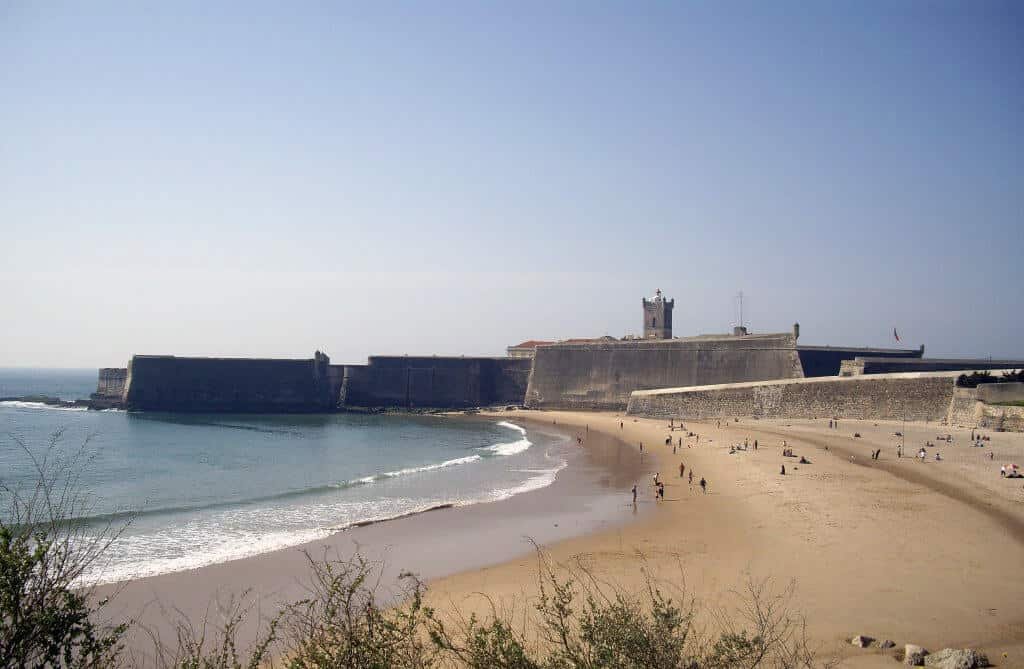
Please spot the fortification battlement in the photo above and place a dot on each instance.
(318, 357)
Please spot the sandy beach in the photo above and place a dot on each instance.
(925, 553)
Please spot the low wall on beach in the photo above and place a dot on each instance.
(257, 385)
(911, 396)
(601, 375)
(412, 382)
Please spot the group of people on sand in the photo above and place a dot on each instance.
(659, 485)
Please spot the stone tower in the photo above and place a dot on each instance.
(658, 317)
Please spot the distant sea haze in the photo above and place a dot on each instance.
(202, 489)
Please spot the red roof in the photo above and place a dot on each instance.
(532, 343)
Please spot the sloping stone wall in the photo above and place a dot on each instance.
(891, 396)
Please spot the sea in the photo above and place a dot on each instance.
(189, 490)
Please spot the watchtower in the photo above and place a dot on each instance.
(658, 317)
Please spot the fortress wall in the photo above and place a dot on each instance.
(919, 396)
(1002, 418)
(168, 383)
(602, 375)
(111, 382)
(1001, 392)
(435, 382)
(873, 365)
(828, 360)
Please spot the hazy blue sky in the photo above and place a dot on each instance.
(448, 177)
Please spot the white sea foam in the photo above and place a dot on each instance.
(512, 426)
(19, 404)
(543, 479)
(243, 545)
(429, 468)
(511, 448)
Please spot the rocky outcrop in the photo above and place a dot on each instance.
(862, 641)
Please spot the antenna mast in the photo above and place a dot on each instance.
(739, 300)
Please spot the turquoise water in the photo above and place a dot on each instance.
(202, 489)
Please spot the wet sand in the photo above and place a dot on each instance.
(585, 498)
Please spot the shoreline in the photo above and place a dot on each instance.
(584, 498)
(874, 547)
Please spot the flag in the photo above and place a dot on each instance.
(895, 334)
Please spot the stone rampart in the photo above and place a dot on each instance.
(911, 396)
(602, 375)
(420, 382)
(832, 360)
(257, 385)
(883, 365)
(994, 393)
(1002, 418)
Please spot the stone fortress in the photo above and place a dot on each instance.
(703, 376)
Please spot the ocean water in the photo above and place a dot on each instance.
(200, 489)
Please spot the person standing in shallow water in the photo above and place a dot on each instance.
(703, 485)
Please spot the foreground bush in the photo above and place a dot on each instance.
(46, 619)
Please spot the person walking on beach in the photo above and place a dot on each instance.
(634, 494)
(691, 477)
(641, 447)
(682, 469)
(656, 475)
(783, 472)
(703, 485)
(755, 444)
(620, 424)
(673, 450)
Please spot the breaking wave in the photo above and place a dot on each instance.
(511, 448)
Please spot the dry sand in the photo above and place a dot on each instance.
(928, 553)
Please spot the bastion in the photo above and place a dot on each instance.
(244, 385)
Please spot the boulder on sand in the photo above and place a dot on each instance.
(862, 641)
(956, 658)
(885, 643)
(913, 655)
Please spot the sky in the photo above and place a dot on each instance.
(266, 179)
